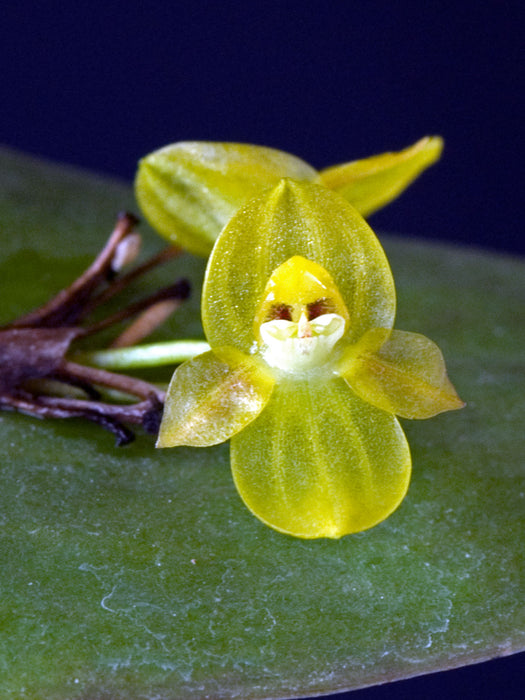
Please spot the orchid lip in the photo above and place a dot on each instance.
(295, 347)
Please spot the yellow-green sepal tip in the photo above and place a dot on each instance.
(371, 183)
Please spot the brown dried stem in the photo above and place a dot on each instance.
(33, 348)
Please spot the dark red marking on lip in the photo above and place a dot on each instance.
(279, 312)
(320, 307)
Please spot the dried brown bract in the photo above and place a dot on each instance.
(34, 347)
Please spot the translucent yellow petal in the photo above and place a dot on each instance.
(319, 462)
(406, 376)
(212, 397)
(294, 218)
(371, 183)
(189, 190)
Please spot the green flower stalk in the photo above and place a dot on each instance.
(305, 374)
(188, 191)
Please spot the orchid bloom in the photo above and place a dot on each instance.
(188, 191)
(305, 375)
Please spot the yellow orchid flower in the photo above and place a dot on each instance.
(305, 373)
(188, 191)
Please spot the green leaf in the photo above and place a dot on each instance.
(134, 572)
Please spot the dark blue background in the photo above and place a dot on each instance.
(328, 81)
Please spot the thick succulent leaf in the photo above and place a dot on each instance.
(371, 183)
(406, 376)
(134, 572)
(189, 190)
(212, 397)
(295, 218)
(319, 462)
